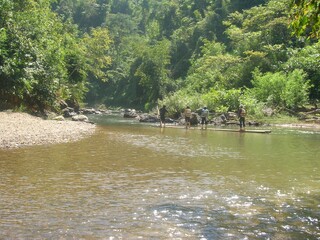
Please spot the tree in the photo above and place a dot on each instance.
(307, 59)
(305, 18)
(259, 26)
(153, 71)
(215, 69)
(96, 46)
(42, 59)
(85, 13)
(32, 64)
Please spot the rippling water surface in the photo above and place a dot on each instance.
(135, 181)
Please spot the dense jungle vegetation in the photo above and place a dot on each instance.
(140, 53)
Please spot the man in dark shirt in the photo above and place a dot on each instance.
(162, 114)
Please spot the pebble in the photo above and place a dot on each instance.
(22, 129)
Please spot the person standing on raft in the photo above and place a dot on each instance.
(204, 117)
(187, 116)
(162, 112)
(242, 118)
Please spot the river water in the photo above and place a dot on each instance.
(136, 181)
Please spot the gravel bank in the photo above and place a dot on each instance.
(22, 129)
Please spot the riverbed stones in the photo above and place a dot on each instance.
(130, 113)
(148, 118)
(59, 118)
(81, 118)
(22, 129)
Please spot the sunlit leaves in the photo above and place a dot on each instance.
(305, 18)
(42, 58)
(97, 44)
(307, 59)
(32, 45)
(281, 89)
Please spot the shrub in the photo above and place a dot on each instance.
(177, 102)
(281, 89)
(296, 92)
(252, 105)
(222, 100)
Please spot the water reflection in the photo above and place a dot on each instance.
(132, 181)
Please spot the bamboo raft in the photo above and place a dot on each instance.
(223, 129)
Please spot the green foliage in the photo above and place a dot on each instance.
(178, 101)
(32, 65)
(268, 87)
(296, 90)
(43, 59)
(305, 18)
(214, 69)
(281, 89)
(307, 59)
(258, 26)
(221, 100)
(96, 48)
(152, 71)
(252, 105)
(215, 100)
(135, 52)
(85, 13)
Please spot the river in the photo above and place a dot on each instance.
(137, 181)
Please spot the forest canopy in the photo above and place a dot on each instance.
(141, 53)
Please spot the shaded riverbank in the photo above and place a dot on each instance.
(22, 129)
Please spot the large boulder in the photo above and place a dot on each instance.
(231, 116)
(194, 120)
(254, 123)
(74, 104)
(63, 104)
(68, 112)
(80, 118)
(59, 118)
(232, 122)
(220, 120)
(130, 113)
(90, 111)
(148, 118)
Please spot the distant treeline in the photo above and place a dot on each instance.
(140, 53)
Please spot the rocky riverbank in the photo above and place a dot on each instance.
(307, 120)
(22, 129)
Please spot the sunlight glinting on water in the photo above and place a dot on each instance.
(142, 183)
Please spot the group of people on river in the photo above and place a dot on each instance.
(204, 117)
